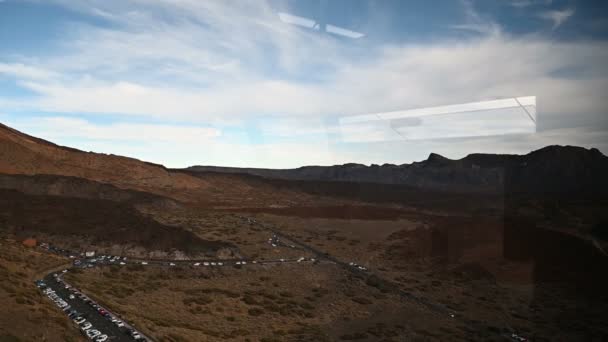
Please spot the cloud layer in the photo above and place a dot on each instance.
(205, 63)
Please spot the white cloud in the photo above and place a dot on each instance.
(171, 145)
(22, 71)
(528, 3)
(54, 128)
(475, 22)
(521, 3)
(214, 61)
(557, 17)
(401, 77)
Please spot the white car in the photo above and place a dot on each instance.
(220, 264)
(197, 264)
(243, 262)
(171, 264)
(79, 320)
(300, 259)
(72, 296)
(205, 264)
(86, 326)
(282, 260)
(122, 263)
(144, 262)
(213, 264)
(119, 324)
(254, 262)
(237, 263)
(92, 333)
(101, 338)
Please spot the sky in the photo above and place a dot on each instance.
(277, 83)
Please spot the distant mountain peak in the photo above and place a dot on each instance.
(435, 159)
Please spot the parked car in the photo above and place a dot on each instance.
(86, 326)
(197, 264)
(101, 338)
(79, 320)
(92, 333)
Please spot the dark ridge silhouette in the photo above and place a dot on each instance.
(553, 169)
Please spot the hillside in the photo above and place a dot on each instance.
(21, 154)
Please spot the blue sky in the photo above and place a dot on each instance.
(233, 83)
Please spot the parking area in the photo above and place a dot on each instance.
(98, 323)
(94, 321)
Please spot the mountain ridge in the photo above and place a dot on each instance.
(546, 169)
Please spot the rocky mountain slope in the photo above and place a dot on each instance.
(550, 169)
(21, 154)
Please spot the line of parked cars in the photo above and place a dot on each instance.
(85, 326)
(106, 314)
